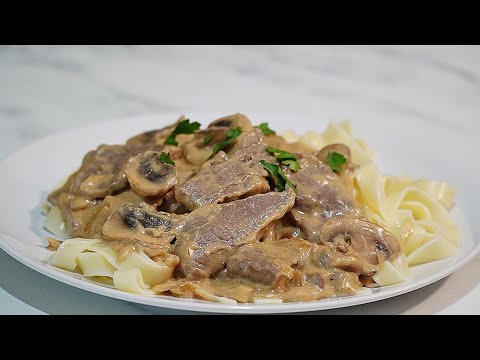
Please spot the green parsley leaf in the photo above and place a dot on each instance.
(207, 139)
(335, 161)
(183, 127)
(285, 157)
(166, 159)
(265, 129)
(279, 176)
(232, 135)
(292, 165)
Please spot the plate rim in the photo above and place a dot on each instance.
(212, 307)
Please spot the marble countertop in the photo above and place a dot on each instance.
(45, 89)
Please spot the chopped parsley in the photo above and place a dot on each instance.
(335, 161)
(208, 139)
(183, 127)
(265, 129)
(279, 176)
(286, 158)
(232, 135)
(166, 159)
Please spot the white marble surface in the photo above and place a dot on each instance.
(44, 89)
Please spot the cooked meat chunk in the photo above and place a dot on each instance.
(102, 173)
(211, 234)
(221, 181)
(321, 196)
(271, 263)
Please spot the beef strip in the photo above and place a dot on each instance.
(321, 196)
(211, 234)
(205, 238)
(102, 173)
(228, 178)
(271, 263)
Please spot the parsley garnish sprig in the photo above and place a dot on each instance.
(208, 139)
(232, 134)
(183, 127)
(279, 176)
(286, 158)
(265, 129)
(166, 159)
(335, 161)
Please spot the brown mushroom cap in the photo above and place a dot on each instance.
(370, 240)
(231, 121)
(148, 176)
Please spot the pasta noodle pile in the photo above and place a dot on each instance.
(415, 211)
(137, 273)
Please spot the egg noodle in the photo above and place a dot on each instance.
(415, 211)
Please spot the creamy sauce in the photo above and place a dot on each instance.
(220, 220)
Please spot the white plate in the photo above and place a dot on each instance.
(403, 148)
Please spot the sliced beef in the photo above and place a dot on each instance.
(229, 177)
(271, 263)
(321, 196)
(102, 173)
(221, 182)
(208, 236)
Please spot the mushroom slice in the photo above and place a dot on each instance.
(148, 176)
(370, 240)
(136, 223)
